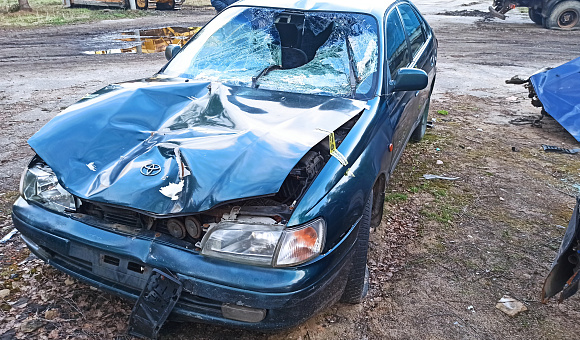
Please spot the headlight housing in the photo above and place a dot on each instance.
(39, 184)
(266, 245)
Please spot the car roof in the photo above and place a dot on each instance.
(374, 7)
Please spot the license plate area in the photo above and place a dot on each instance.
(154, 305)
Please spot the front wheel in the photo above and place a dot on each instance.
(141, 4)
(564, 15)
(166, 5)
(357, 284)
(536, 15)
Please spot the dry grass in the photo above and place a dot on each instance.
(52, 13)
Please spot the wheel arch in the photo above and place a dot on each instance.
(549, 5)
(378, 199)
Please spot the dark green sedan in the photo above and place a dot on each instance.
(236, 186)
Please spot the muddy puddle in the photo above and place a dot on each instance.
(148, 40)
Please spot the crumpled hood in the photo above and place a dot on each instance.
(212, 143)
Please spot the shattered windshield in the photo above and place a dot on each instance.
(329, 53)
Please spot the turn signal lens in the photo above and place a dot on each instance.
(301, 244)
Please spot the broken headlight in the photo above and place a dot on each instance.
(39, 184)
(268, 245)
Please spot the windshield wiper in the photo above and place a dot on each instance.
(353, 77)
(263, 73)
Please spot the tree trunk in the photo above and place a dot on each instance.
(24, 6)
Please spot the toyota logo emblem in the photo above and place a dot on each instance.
(150, 170)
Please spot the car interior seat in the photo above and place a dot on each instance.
(299, 43)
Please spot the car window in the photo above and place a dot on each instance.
(397, 50)
(305, 52)
(426, 28)
(413, 27)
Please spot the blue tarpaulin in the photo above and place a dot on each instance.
(559, 91)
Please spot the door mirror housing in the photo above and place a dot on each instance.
(171, 50)
(409, 79)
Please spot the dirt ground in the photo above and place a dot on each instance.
(446, 251)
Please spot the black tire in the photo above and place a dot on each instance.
(536, 15)
(141, 4)
(378, 202)
(419, 132)
(565, 15)
(167, 6)
(357, 284)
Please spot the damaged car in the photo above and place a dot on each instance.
(563, 277)
(238, 185)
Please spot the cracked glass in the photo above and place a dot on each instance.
(327, 53)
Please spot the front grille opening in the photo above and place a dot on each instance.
(200, 303)
(135, 267)
(186, 230)
(111, 260)
(75, 261)
(128, 218)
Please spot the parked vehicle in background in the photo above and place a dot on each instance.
(238, 185)
(151, 40)
(220, 5)
(556, 14)
(140, 4)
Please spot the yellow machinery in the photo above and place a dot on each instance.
(152, 40)
(141, 4)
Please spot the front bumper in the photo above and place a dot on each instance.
(121, 264)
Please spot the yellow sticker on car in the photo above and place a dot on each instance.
(334, 152)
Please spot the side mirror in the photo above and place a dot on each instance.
(409, 79)
(171, 50)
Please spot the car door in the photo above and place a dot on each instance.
(397, 56)
(420, 44)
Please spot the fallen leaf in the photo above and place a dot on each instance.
(4, 293)
(54, 334)
(29, 326)
(51, 314)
